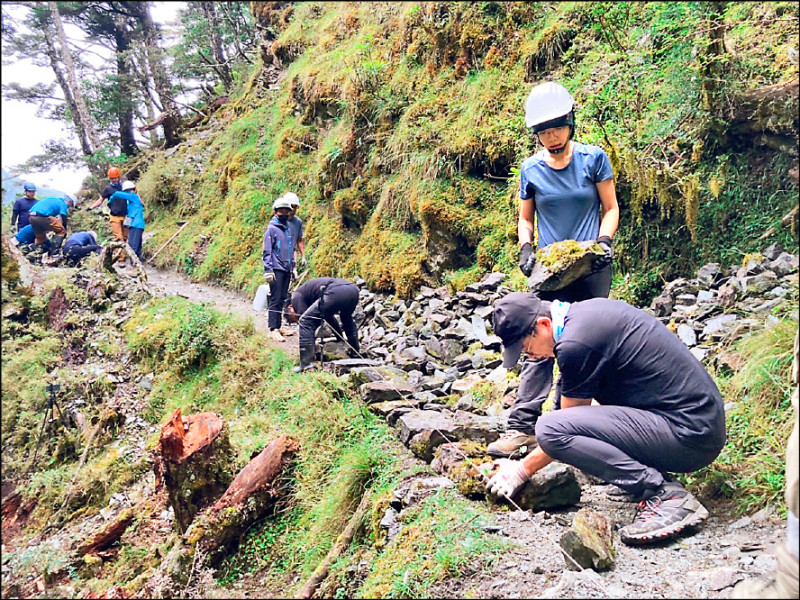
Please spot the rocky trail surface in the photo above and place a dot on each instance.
(430, 367)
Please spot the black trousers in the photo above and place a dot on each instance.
(135, 240)
(75, 253)
(278, 294)
(628, 447)
(339, 299)
(536, 378)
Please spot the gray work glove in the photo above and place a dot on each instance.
(269, 276)
(527, 258)
(509, 479)
(601, 262)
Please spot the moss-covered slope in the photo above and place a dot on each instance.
(400, 126)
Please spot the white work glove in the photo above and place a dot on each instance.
(294, 273)
(303, 263)
(269, 276)
(509, 479)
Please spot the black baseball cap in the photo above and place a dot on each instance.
(513, 319)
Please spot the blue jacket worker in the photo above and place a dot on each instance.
(277, 259)
(24, 236)
(22, 206)
(323, 298)
(134, 215)
(50, 214)
(79, 245)
(655, 408)
(569, 188)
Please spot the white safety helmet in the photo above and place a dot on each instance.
(281, 202)
(128, 185)
(547, 102)
(292, 198)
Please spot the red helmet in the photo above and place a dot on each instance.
(113, 173)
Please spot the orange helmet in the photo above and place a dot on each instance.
(113, 173)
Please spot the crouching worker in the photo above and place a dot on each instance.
(50, 214)
(323, 298)
(80, 244)
(657, 409)
(24, 236)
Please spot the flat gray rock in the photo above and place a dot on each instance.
(425, 430)
(384, 391)
(566, 269)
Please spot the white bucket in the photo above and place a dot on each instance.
(261, 299)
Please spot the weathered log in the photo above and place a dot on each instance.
(107, 536)
(252, 495)
(28, 275)
(322, 570)
(107, 259)
(193, 459)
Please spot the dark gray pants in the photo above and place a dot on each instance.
(135, 240)
(339, 299)
(278, 294)
(536, 378)
(75, 252)
(628, 447)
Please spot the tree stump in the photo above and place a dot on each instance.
(252, 495)
(193, 459)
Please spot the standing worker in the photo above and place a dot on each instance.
(134, 216)
(277, 259)
(323, 298)
(658, 409)
(79, 245)
(22, 207)
(50, 214)
(296, 229)
(118, 208)
(565, 186)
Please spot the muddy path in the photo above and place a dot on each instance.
(705, 562)
(172, 283)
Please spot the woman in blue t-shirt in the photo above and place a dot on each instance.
(569, 188)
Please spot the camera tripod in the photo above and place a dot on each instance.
(49, 414)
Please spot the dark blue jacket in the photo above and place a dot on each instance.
(278, 247)
(81, 238)
(22, 207)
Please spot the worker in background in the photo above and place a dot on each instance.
(277, 259)
(323, 298)
(134, 216)
(79, 245)
(296, 229)
(22, 207)
(656, 408)
(118, 208)
(50, 214)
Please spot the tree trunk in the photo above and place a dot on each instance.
(210, 11)
(163, 85)
(29, 276)
(107, 535)
(252, 495)
(53, 55)
(82, 113)
(127, 140)
(193, 459)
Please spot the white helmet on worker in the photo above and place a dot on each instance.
(549, 105)
(128, 185)
(281, 202)
(292, 198)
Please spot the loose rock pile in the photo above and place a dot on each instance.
(433, 367)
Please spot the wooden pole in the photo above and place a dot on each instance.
(167, 242)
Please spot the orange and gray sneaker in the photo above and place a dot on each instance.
(511, 442)
(661, 516)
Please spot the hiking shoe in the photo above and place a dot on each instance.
(275, 334)
(510, 443)
(663, 515)
(285, 331)
(617, 494)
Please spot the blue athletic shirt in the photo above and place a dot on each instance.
(81, 238)
(567, 202)
(50, 207)
(26, 235)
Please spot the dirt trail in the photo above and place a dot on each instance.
(705, 563)
(171, 283)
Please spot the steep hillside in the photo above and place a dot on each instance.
(400, 126)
